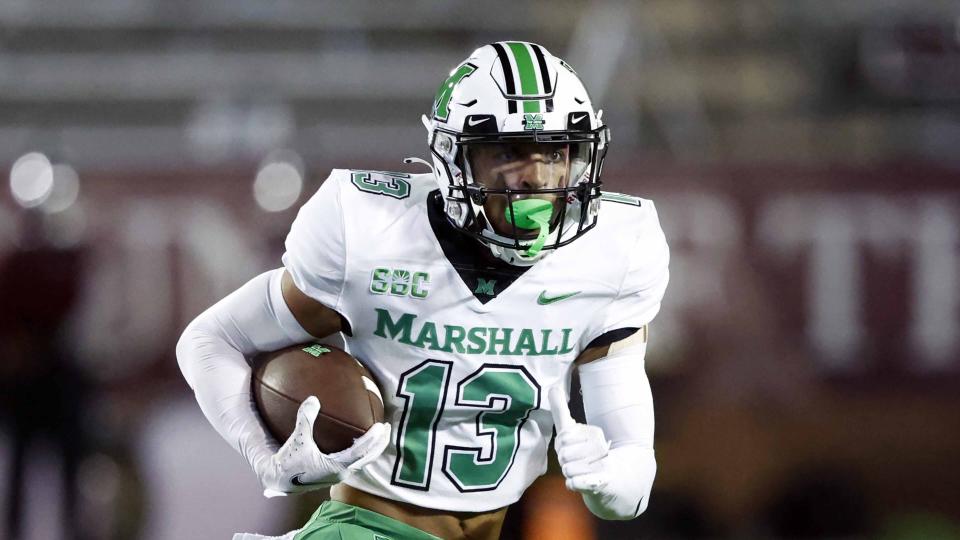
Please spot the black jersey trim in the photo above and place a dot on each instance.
(613, 336)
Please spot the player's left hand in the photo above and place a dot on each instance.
(299, 465)
(582, 449)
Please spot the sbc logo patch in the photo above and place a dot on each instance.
(400, 282)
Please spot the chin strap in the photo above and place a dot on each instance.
(531, 214)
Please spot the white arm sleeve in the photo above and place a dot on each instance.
(617, 399)
(213, 351)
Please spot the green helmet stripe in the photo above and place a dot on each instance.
(529, 84)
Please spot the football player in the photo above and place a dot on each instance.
(471, 293)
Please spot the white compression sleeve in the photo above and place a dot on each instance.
(617, 399)
(213, 351)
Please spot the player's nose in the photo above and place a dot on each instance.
(535, 175)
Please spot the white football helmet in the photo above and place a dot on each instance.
(516, 92)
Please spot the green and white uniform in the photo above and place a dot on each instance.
(464, 382)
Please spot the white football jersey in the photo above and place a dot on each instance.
(464, 382)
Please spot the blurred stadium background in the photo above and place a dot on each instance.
(804, 156)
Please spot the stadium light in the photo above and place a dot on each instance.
(31, 179)
(65, 190)
(279, 181)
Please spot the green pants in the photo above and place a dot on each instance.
(338, 521)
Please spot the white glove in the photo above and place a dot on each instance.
(299, 465)
(614, 483)
(580, 448)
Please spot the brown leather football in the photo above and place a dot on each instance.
(348, 406)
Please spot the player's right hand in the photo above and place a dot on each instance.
(300, 466)
(581, 449)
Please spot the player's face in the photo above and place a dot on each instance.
(520, 166)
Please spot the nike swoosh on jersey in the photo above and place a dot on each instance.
(576, 119)
(544, 300)
(471, 122)
(295, 480)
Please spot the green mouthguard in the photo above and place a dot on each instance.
(531, 214)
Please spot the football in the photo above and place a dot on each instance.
(350, 402)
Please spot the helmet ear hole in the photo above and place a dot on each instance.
(444, 145)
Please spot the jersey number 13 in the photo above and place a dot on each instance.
(503, 396)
